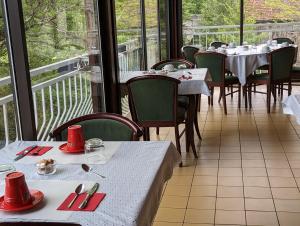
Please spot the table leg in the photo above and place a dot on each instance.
(190, 129)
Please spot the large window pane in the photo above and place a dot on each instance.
(270, 19)
(7, 106)
(210, 20)
(163, 29)
(63, 47)
(152, 32)
(129, 32)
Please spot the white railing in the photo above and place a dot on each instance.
(61, 98)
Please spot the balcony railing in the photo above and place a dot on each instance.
(63, 97)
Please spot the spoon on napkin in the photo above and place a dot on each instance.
(88, 169)
(79, 189)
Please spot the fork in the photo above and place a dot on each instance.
(37, 151)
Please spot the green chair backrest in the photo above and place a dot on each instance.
(282, 40)
(105, 129)
(281, 63)
(175, 63)
(215, 62)
(153, 98)
(189, 52)
(217, 44)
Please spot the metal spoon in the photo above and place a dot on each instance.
(88, 169)
(79, 189)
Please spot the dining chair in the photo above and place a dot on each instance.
(38, 224)
(279, 72)
(107, 126)
(215, 62)
(218, 44)
(281, 40)
(183, 101)
(188, 53)
(177, 63)
(153, 103)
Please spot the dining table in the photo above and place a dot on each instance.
(243, 61)
(135, 173)
(193, 82)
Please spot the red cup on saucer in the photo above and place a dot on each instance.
(16, 191)
(75, 140)
(17, 196)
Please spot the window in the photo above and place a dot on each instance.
(63, 49)
(210, 20)
(8, 125)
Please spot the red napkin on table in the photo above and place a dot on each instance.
(93, 203)
(41, 152)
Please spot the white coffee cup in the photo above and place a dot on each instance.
(285, 44)
(211, 48)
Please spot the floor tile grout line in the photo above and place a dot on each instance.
(267, 172)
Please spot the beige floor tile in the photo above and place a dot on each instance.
(296, 172)
(230, 181)
(254, 172)
(261, 218)
(198, 224)
(166, 224)
(282, 182)
(295, 164)
(256, 182)
(286, 193)
(274, 156)
(194, 216)
(259, 204)
(171, 201)
(226, 149)
(181, 180)
(230, 217)
(279, 172)
(206, 171)
(281, 164)
(252, 156)
(253, 163)
(184, 171)
(230, 204)
(203, 191)
(287, 205)
(230, 192)
(288, 219)
(170, 215)
(230, 155)
(204, 180)
(211, 156)
(177, 190)
(226, 172)
(223, 163)
(201, 163)
(202, 203)
(257, 192)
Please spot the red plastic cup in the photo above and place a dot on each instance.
(16, 191)
(75, 138)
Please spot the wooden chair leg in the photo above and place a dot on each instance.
(289, 88)
(274, 91)
(268, 98)
(212, 96)
(196, 118)
(239, 96)
(220, 95)
(231, 90)
(177, 139)
(245, 88)
(281, 90)
(250, 95)
(198, 102)
(157, 130)
(224, 100)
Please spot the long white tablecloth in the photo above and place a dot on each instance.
(135, 175)
(291, 106)
(196, 85)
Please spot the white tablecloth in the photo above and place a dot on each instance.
(196, 85)
(291, 106)
(135, 178)
(243, 63)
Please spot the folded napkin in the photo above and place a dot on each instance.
(91, 206)
(42, 151)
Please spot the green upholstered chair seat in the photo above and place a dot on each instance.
(259, 77)
(183, 101)
(296, 69)
(105, 129)
(231, 79)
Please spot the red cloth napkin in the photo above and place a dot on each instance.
(91, 206)
(41, 152)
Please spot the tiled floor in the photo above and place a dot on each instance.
(247, 173)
